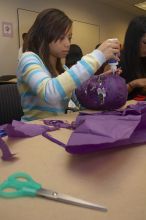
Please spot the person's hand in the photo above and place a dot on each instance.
(110, 48)
(141, 83)
(137, 83)
(110, 72)
(118, 71)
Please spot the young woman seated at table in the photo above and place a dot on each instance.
(44, 86)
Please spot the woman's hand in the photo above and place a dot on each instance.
(137, 83)
(140, 82)
(110, 72)
(110, 48)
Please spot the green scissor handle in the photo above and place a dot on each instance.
(22, 184)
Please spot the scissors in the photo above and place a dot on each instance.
(22, 184)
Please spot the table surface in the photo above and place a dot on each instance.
(115, 179)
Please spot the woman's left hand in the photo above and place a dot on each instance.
(109, 72)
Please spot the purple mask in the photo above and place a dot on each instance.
(103, 92)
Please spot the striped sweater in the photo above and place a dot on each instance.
(42, 95)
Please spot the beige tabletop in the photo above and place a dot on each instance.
(115, 179)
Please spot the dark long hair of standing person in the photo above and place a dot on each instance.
(131, 62)
(75, 54)
(49, 26)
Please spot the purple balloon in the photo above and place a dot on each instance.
(103, 92)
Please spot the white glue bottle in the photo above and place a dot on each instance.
(113, 65)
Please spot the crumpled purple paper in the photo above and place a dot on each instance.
(22, 129)
(6, 153)
(57, 124)
(19, 129)
(107, 130)
(103, 92)
(92, 131)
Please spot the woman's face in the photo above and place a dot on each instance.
(143, 46)
(60, 48)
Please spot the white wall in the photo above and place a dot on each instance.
(112, 23)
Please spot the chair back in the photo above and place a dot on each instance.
(10, 103)
(7, 77)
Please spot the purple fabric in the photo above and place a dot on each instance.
(103, 92)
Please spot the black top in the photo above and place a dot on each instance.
(140, 73)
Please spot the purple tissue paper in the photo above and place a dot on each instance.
(6, 154)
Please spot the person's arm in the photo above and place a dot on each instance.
(130, 87)
(55, 89)
(137, 83)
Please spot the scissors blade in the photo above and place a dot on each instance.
(69, 199)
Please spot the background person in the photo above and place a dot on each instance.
(133, 58)
(75, 54)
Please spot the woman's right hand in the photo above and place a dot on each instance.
(110, 48)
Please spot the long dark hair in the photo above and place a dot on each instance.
(75, 54)
(49, 25)
(130, 58)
